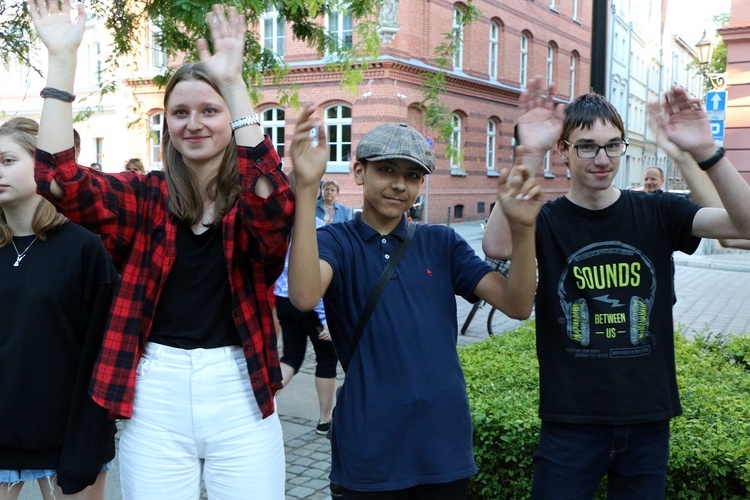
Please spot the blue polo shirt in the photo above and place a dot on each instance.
(402, 418)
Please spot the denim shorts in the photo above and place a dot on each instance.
(21, 476)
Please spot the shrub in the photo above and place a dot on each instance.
(710, 443)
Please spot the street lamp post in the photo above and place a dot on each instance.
(705, 51)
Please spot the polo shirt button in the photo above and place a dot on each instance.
(383, 241)
(387, 256)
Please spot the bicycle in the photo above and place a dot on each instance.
(502, 267)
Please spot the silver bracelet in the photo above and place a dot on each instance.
(58, 94)
(253, 119)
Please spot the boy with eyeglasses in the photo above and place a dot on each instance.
(603, 304)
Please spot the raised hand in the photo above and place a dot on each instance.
(685, 123)
(59, 33)
(669, 147)
(520, 196)
(228, 29)
(309, 158)
(540, 126)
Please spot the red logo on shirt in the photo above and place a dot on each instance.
(429, 273)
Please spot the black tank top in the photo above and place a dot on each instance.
(195, 307)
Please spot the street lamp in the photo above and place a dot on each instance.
(705, 50)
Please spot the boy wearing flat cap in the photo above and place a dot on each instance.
(402, 425)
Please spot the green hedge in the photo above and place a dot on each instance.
(710, 444)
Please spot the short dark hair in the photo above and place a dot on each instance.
(586, 110)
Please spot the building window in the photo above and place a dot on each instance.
(273, 127)
(524, 60)
(458, 212)
(339, 130)
(572, 76)
(547, 166)
(157, 56)
(575, 10)
(273, 31)
(99, 145)
(552, 4)
(494, 46)
(458, 28)
(550, 64)
(155, 127)
(480, 207)
(491, 144)
(95, 63)
(340, 26)
(456, 143)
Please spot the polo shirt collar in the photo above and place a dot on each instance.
(366, 232)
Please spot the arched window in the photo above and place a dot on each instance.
(550, 64)
(573, 64)
(273, 127)
(456, 143)
(494, 49)
(491, 145)
(458, 53)
(524, 62)
(155, 122)
(338, 124)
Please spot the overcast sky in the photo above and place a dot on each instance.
(691, 17)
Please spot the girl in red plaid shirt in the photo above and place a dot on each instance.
(189, 357)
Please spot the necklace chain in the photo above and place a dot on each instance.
(21, 255)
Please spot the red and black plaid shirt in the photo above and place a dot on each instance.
(129, 211)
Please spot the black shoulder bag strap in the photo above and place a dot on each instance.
(372, 300)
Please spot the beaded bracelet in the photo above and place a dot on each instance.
(58, 94)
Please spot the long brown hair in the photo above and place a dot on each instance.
(46, 218)
(185, 198)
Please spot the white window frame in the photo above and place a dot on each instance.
(491, 156)
(157, 57)
(94, 55)
(552, 4)
(575, 9)
(154, 140)
(344, 34)
(524, 60)
(456, 140)
(337, 128)
(494, 49)
(458, 53)
(550, 64)
(275, 40)
(273, 126)
(573, 65)
(547, 164)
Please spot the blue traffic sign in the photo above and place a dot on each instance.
(716, 100)
(717, 130)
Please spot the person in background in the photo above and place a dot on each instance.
(327, 208)
(77, 143)
(56, 285)
(96, 166)
(189, 358)
(653, 179)
(135, 165)
(402, 427)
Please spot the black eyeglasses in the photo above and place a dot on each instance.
(589, 151)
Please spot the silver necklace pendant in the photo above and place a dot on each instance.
(21, 255)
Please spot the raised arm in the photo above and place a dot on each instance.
(539, 129)
(62, 36)
(520, 199)
(702, 189)
(309, 276)
(684, 122)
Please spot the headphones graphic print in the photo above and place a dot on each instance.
(610, 276)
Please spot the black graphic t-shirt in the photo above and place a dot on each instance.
(604, 308)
